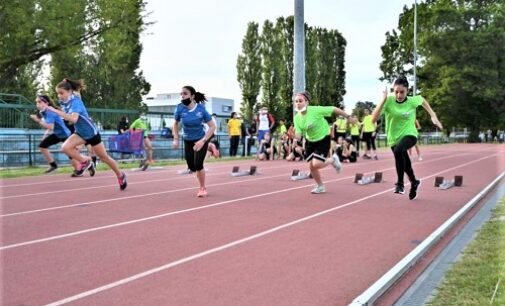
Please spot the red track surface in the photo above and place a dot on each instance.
(256, 240)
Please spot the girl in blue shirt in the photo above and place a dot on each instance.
(191, 113)
(56, 130)
(85, 130)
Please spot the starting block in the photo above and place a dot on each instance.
(237, 172)
(360, 179)
(296, 175)
(443, 184)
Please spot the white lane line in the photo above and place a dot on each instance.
(232, 244)
(129, 183)
(94, 229)
(170, 168)
(176, 190)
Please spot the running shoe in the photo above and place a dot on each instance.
(336, 163)
(399, 189)
(50, 169)
(318, 189)
(75, 174)
(122, 181)
(84, 166)
(414, 186)
(92, 169)
(202, 192)
(144, 167)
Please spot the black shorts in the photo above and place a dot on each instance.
(318, 149)
(93, 141)
(50, 140)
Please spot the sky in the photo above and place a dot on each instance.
(196, 42)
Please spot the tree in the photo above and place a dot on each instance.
(462, 72)
(97, 40)
(249, 70)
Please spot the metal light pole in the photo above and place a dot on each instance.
(299, 50)
(415, 48)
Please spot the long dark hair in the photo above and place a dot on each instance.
(47, 100)
(68, 84)
(402, 80)
(199, 97)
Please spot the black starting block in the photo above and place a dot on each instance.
(443, 184)
(296, 175)
(237, 172)
(360, 179)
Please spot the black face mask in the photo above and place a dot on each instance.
(186, 102)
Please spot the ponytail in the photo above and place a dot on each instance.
(75, 85)
(199, 97)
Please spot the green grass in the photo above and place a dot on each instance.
(474, 278)
(34, 171)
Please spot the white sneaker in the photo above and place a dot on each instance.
(318, 189)
(336, 163)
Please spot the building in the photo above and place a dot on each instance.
(162, 107)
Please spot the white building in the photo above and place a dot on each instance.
(162, 107)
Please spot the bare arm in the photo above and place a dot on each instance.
(378, 110)
(432, 114)
(72, 117)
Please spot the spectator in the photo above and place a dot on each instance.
(123, 125)
(234, 132)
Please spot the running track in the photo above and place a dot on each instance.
(256, 240)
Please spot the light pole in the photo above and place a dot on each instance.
(299, 50)
(415, 48)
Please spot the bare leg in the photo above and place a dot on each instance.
(200, 175)
(47, 155)
(102, 153)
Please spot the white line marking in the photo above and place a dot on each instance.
(94, 229)
(231, 244)
(176, 190)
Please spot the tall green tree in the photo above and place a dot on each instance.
(97, 40)
(249, 70)
(271, 48)
(462, 49)
(285, 26)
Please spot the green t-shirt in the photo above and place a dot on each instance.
(400, 118)
(368, 125)
(354, 129)
(140, 124)
(282, 129)
(312, 125)
(341, 124)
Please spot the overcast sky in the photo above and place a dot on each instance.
(196, 42)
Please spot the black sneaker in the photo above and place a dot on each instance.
(75, 174)
(144, 167)
(92, 169)
(413, 189)
(50, 169)
(84, 166)
(399, 189)
(122, 181)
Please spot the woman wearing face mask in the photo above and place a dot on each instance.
(85, 130)
(400, 114)
(141, 124)
(191, 113)
(310, 123)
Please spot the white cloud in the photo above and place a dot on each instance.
(196, 42)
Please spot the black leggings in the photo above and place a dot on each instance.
(234, 142)
(402, 159)
(195, 159)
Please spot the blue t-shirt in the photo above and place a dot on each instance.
(192, 121)
(84, 127)
(59, 127)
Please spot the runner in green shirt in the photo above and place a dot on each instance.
(310, 123)
(141, 124)
(400, 113)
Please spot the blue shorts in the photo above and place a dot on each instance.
(261, 134)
